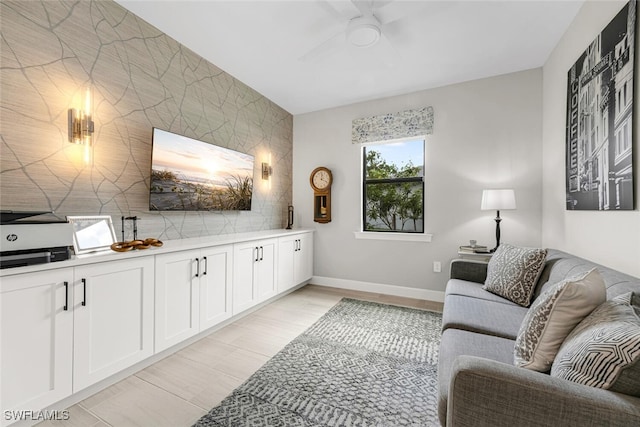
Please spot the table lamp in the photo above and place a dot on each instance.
(503, 199)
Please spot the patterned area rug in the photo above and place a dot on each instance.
(361, 364)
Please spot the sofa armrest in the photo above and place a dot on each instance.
(467, 269)
(484, 392)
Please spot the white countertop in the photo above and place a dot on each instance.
(168, 247)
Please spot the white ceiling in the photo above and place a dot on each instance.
(294, 52)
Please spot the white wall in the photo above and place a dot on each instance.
(487, 134)
(610, 238)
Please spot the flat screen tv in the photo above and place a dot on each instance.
(192, 175)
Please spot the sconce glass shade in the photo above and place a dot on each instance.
(80, 121)
(498, 200)
(267, 171)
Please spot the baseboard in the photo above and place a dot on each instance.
(399, 291)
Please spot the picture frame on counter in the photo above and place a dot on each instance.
(92, 233)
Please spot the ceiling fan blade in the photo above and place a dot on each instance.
(341, 11)
(325, 48)
(370, 7)
(365, 7)
(388, 54)
(330, 10)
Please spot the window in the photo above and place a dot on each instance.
(393, 186)
(623, 141)
(618, 101)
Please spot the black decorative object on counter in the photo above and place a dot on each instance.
(289, 217)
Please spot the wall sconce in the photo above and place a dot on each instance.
(81, 121)
(267, 171)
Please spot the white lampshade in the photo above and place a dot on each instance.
(498, 200)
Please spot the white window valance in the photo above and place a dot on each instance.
(385, 127)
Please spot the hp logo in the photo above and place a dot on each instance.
(12, 237)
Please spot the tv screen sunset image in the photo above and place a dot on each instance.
(187, 174)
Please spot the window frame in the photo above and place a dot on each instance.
(392, 234)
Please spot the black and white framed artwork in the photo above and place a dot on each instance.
(599, 140)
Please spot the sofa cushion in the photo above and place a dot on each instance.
(455, 343)
(552, 317)
(482, 316)
(561, 265)
(472, 289)
(513, 272)
(604, 349)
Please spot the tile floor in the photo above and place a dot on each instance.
(179, 389)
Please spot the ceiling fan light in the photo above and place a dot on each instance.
(364, 35)
(363, 31)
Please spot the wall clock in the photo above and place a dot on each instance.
(321, 180)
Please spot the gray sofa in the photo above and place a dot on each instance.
(478, 382)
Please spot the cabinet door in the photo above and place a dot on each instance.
(215, 285)
(286, 251)
(245, 256)
(113, 318)
(36, 339)
(177, 297)
(303, 262)
(265, 278)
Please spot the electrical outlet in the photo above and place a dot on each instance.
(437, 267)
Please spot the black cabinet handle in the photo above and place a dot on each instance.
(84, 290)
(66, 296)
(261, 253)
(206, 266)
(257, 254)
(198, 267)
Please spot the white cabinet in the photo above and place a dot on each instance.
(295, 260)
(265, 270)
(215, 286)
(113, 318)
(176, 299)
(64, 329)
(254, 272)
(192, 293)
(36, 339)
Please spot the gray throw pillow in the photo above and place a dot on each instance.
(604, 349)
(553, 315)
(513, 272)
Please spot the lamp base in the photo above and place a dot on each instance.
(498, 219)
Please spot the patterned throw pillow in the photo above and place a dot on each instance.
(553, 315)
(513, 272)
(604, 349)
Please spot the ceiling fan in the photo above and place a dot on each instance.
(363, 31)
(366, 23)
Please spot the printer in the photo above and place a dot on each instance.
(27, 241)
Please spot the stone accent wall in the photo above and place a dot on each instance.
(141, 78)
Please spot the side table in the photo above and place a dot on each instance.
(474, 256)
